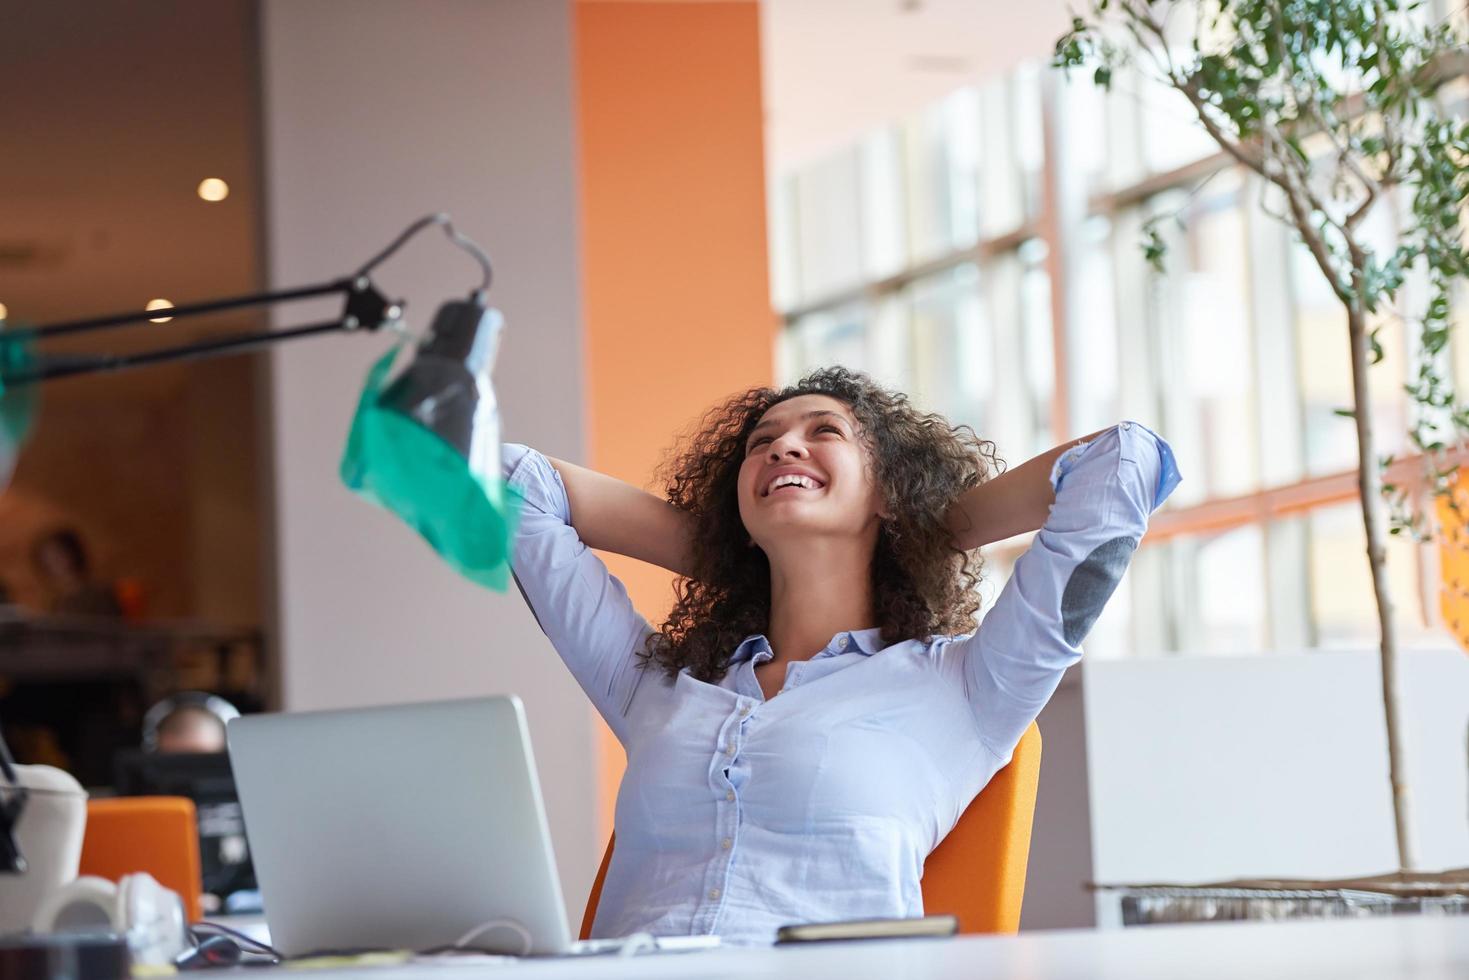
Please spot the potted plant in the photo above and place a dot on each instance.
(1335, 104)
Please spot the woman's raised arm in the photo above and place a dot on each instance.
(1012, 503)
(614, 516)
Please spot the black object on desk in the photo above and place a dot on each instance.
(64, 956)
(207, 779)
(829, 932)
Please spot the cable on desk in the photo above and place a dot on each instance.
(525, 937)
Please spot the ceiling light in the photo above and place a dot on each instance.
(159, 304)
(3, 311)
(213, 189)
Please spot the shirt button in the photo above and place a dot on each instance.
(713, 894)
(842, 643)
(727, 749)
(729, 796)
(726, 844)
(1127, 425)
(744, 710)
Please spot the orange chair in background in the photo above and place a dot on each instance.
(977, 873)
(156, 834)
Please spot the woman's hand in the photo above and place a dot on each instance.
(614, 516)
(1016, 501)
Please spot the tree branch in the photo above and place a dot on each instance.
(1239, 151)
(1301, 211)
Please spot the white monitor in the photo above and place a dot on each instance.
(405, 827)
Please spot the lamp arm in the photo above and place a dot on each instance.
(54, 368)
(110, 321)
(366, 309)
(459, 239)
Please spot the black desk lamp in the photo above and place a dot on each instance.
(425, 445)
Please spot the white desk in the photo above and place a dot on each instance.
(1406, 948)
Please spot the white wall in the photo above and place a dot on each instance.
(1273, 766)
(377, 112)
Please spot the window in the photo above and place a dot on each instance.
(939, 254)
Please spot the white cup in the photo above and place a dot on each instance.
(50, 838)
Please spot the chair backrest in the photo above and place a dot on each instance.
(977, 872)
(156, 834)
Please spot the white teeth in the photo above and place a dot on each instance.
(791, 480)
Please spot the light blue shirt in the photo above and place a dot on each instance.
(738, 815)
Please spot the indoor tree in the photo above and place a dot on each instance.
(1337, 106)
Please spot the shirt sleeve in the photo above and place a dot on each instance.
(1105, 490)
(581, 607)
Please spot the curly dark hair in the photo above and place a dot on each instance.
(922, 585)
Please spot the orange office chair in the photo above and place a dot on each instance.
(977, 872)
(156, 834)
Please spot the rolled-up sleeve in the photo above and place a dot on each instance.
(1105, 490)
(582, 608)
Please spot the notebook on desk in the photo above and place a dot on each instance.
(406, 827)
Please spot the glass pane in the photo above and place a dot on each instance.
(827, 224)
(953, 349)
(826, 337)
(871, 338)
(1038, 365)
(1172, 136)
(1002, 204)
(1343, 607)
(1030, 142)
(785, 281)
(1201, 313)
(884, 236)
(1009, 315)
(942, 158)
(890, 344)
(1324, 356)
(1092, 342)
(1088, 135)
(1218, 594)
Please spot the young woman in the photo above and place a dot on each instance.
(818, 709)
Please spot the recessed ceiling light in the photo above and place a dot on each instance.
(159, 304)
(213, 189)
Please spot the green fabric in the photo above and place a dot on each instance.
(468, 518)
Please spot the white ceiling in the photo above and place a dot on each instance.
(835, 69)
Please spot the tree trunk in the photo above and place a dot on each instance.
(1369, 488)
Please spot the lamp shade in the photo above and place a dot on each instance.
(426, 446)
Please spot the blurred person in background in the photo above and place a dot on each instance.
(189, 722)
(64, 570)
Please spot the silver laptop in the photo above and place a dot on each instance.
(405, 827)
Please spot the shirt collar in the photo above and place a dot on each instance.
(757, 647)
(750, 647)
(868, 641)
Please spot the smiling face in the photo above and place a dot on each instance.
(807, 471)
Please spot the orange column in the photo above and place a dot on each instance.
(676, 302)
(1453, 561)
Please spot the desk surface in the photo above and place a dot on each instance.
(1405, 947)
